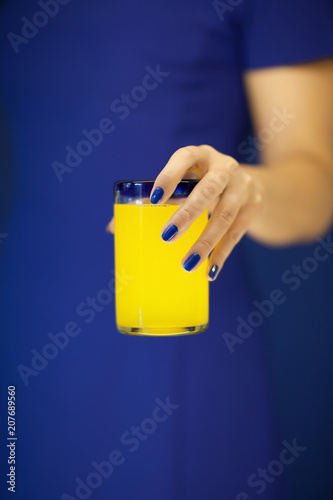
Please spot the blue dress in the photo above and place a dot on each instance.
(92, 93)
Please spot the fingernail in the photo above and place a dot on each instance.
(157, 195)
(169, 233)
(213, 272)
(191, 262)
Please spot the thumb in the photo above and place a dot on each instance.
(110, 227)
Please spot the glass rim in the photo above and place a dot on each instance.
(142, 188)
(145, 181)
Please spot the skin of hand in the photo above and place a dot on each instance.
(229, 193)
(288, 199)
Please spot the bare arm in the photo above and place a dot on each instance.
(296, 181)
(286, 200)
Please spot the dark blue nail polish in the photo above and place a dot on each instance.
(191, 262)
(213, 272)
(157, 195)
(169, 233)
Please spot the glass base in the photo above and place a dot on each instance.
(162, 332)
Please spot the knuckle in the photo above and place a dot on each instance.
(188, 154)
(247, 179)
(222, 178)
(210, 188)
(257, 202)
(207, 148)
(232, 165)
(226, 216)
(235, 236)
(185, 215)
(258, 199)
(233, 201)
(168, 175)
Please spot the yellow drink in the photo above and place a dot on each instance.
(160, 297)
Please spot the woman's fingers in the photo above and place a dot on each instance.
(218, 171)
(237, 206)
(222, 218)
(219, 223)
(235, 233)
(224, 188)
(183, 160)
(205, 192)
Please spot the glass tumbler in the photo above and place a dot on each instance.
(154, 294)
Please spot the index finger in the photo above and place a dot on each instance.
(174, 171)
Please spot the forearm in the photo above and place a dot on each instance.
(297, 200)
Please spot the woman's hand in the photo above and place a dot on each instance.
(295, 178)
(229, 193)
